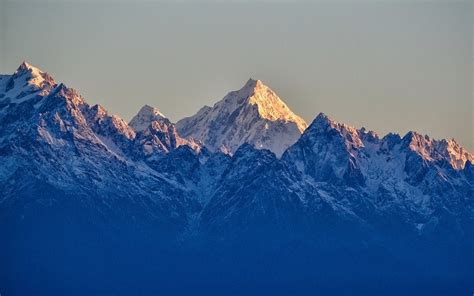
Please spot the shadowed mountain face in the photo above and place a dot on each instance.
(241, 198)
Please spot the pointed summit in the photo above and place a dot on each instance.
(37, 82)
(253, 114)
(145, 117)
(268, 104)
(24, 66)
(149, 110)
(322, 121)
(253, 84)
(250, 87)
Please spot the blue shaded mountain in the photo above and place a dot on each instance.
(56, 147)
(153, 203)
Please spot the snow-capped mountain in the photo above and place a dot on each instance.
(26, 83)
(56, 147)
(46, 125)
(46, 121)
(254, 114)
(410, 181)
(145, 117)
(157, 135)
(71, 172)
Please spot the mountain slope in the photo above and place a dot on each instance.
(254, 114)
(53, 139)
(411, 180)
(90, 200)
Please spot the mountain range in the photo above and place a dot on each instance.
(245, 176)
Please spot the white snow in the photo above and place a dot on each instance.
(433, 150)
(145, 117)
(254, 114)
(27, 82)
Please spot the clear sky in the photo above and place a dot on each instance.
(386, 65)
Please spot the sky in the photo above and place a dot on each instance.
(387, 65)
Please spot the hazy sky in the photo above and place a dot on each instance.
(386, 65)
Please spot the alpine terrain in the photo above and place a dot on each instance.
(241, 198)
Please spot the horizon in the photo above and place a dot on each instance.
(387, 66)
(236, 147)
(308, 122)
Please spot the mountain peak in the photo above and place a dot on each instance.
(431, 149)
(25, 67)
(253, 114)
(253, 83)
(322, 122)
(322, 119)
(145, 117)
(269, 105)
(250, 88)
(36, 80)
(149, 110)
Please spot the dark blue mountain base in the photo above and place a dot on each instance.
(67, 251)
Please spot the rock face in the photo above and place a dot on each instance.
(157, 136)
(254, 115)
(76, 179)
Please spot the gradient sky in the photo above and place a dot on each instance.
(386, 65)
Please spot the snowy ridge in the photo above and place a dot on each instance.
(226, 181)
(437, 150)
(82, 186)
(410, 171)
(254, 114)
